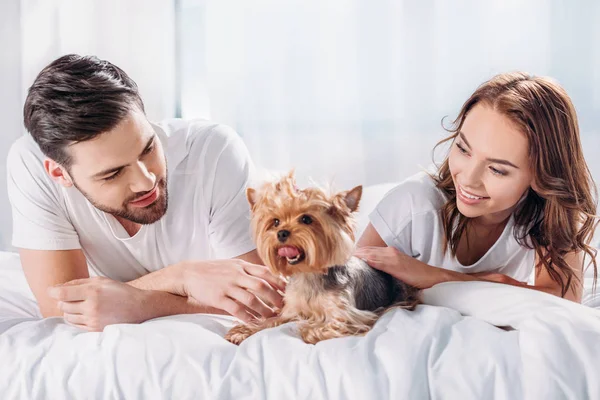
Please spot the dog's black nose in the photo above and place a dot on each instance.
(282, 235)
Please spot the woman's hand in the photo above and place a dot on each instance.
(402, 266)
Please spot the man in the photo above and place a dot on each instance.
(97, 190)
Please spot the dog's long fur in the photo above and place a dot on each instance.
(330, 293)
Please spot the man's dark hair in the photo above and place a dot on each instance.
(74, 99)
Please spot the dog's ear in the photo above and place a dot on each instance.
(352, 198)
(251, 195)
(349, 199)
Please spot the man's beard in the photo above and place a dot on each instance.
(144, 216)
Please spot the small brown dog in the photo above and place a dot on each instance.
(308, 236)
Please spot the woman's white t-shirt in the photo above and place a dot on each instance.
(409, 219)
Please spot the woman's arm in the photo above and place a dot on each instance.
(545, 283)
(375, 252)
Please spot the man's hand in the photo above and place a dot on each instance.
(94, 303)
(242, 289)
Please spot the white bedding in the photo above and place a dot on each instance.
(447, 349)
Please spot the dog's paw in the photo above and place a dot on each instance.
(238, 334)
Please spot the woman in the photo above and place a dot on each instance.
(513, 196)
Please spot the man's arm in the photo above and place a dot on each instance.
(94, 303)
(234, 287)
(46, 268)
(251, 257)
(172, 278)
(216, 284)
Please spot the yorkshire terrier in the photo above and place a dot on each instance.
(308, 237)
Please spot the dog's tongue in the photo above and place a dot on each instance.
(288, 251)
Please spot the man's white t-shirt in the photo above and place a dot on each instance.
(409, 219)
(207, 217)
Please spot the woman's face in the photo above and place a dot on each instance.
(489, 164)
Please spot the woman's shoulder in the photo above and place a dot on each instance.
(417, 193)
(408, 213)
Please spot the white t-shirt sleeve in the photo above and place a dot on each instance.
(392, 220)
(229, 227)
(393, 217)
(39, 222)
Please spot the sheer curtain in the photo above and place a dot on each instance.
(346, 91)
(137, 35)
(355, 91)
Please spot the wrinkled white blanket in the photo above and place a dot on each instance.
(447, 349)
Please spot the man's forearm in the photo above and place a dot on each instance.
(166, 295)
(168, 279)
(160, 304)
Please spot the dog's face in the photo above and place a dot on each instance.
(302, 230)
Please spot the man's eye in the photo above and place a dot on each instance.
(113, 176)
(148, 150)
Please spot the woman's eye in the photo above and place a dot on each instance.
(497, 171)
(461, 149)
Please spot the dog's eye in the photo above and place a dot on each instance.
(306, 220)
(275, 222)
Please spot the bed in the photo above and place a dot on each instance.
(469, 340)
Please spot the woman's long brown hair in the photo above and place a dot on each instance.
(559, 217)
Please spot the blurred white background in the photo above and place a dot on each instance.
(346, 91)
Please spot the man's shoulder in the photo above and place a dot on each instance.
(194, 132)
(24, 153)
(194, 140)
(28, 183)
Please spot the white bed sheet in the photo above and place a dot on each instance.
(447, 349)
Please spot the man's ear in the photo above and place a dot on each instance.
(58, 173)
